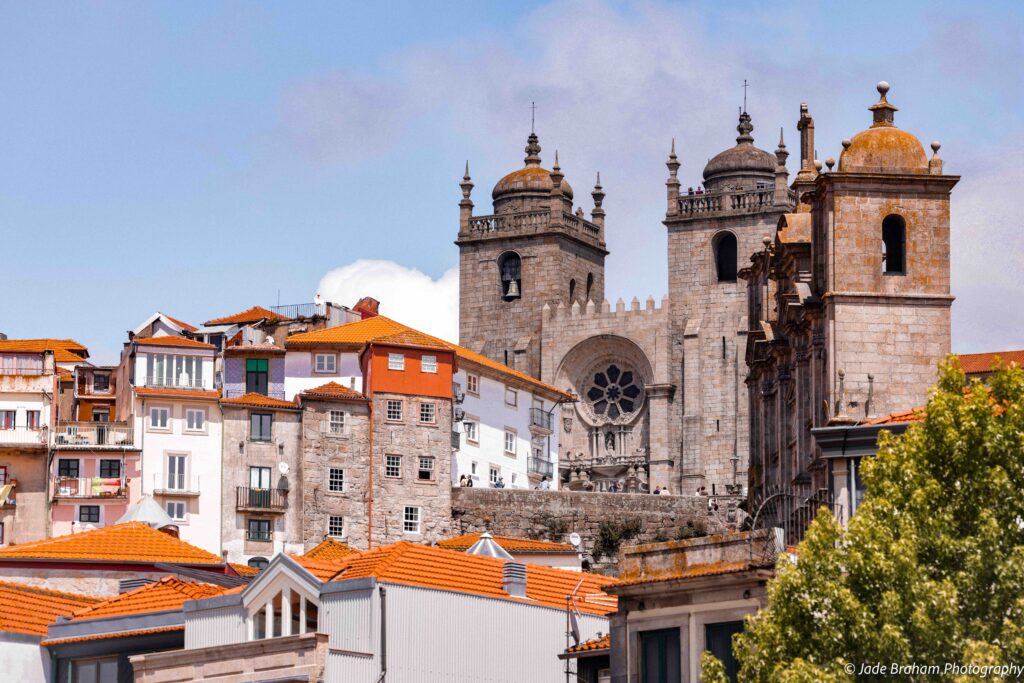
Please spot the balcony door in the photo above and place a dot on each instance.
(256, 376)
(176, 465)
(259, 487)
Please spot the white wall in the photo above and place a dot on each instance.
(492, 415)
(23, 659)
(142, 363)
(299, 375)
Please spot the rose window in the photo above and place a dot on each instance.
(614, 392)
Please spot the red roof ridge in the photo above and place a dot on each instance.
(179, 323)
(247, 316)
(974, 363)
(253, 398)
(333, 389)
(189, 590)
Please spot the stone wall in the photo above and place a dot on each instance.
(553, 515)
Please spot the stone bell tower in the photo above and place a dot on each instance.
(531, 251)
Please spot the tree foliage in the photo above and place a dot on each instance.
(930, 571)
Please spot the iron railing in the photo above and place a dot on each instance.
(93, 434)
(540, 418)
(248, 498)
(295, 311)
(781, 516)
(254, 535)
(8, 369)
(90, 487)
(541, 466)
(171, 483)
(23, 436)
(180, 382)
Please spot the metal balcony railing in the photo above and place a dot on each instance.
(253, 535)
(180, 382)
(248, 498)
(8, 369)
(94, 434)
(23, 436)
(295, 311)
(540, 418)
(540, 466)
(170, 483)
(90, 487)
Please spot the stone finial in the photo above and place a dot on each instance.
(634, 305)
(467, 183)
(935, 163)
(650, 302)
(673, 161)
(829, 163)
(465, 204)
(882, 112)
(532, 150)
(817, 165)
(745, 127)
(620, 305)
(847, 142)
(673, 181)
(606, 306)
(598, 193)
(781, 153)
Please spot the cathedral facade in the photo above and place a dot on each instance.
(665, 389)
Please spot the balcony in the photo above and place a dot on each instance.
(540, 466)
(117, 435)
(261, 500)
(173, 484)
(20, 370)
(90, 487)
(540, 419)
(532, 222)
(259, 536)
(297, 311)
(23, 436)
(183, 381)
(86, 388)
(729, 202)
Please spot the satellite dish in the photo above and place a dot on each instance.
(282, 467)
(575, 540)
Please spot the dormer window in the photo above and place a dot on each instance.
(285, 613)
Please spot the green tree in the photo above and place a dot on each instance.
(929, 571)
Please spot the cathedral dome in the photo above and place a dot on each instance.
(883, 148)
(744, 159)
(530, 178)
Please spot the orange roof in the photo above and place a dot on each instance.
(117, 634)
(380, 328)
(411, 337)
(431, 567)
(325, 570)
(172, 340)
(169, 593)
(190, 328)
(689, 572)
(175, 393)
(600, 643)
(27, 609)
(333, 390)
(129, 542)
(244, 569)
(976, 363)
(915, 415)
(64, 350)
(259, 401)
(254, 314)
(329, 550)
(510, 543)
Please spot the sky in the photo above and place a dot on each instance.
(200, 158)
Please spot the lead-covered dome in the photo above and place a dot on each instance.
(883, 148)
(743, 160)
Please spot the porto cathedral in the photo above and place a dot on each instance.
(791, 306)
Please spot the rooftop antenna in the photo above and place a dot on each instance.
(533, 116)
(745, 86)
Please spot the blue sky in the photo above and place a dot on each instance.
(200, 158)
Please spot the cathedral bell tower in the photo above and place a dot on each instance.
(532, 250)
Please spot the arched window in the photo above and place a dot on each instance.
(590, 284)
(258, 562)
(724, 245)
(572, 290)
(894, 245)
(510, 268)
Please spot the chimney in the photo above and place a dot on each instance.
(513, 579)
(366, 307)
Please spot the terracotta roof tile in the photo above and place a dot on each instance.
(243, 349)
(430, 567)
(689, 572)
(130, 542)
(977, 363)
(900, 417)
(600, 643)
(27, 609)
(329, 550)
(172, 340)
(333, 390)
(325, 570)
(380, 327)
(244, 569)
(190, 328)
(510, 543)
(259, 401)
(169, 593)
(175, 393)
(254, 314)
(64, 350)
(118, 634)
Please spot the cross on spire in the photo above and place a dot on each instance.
(745, 86)
(533, 116)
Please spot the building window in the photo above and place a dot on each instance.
(259, 530)
(89, 514)
(260, 563)
(176, 510)
(176, 472)
(426, 469)
(3, 474)
(894, 241)
(393, 466)
(427, 413)
(67, 467)
(718, 640)
(260, 426)
(337, 422)
(659, 655)
(101, 415)
(510, 269)
(159, 418)
(572, 290)
(336, 480)
(615, 392)
(473, 384)
(590, 285)
(428, 364)
(394, 410)
(411, 520)
(396, 361)
(336, 526)
(7, 419)
(495, 475)
(472, 468)
(195, 419)
(259, 478)
(166, 370)
(257, 376)
(724, 244)
(110, 469)
(511, 397)
(95, 670)
(472, 435)
(510, 442)
(326, 363)
(101, 381)
(33, 421)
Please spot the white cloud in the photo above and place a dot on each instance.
(405, 294)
